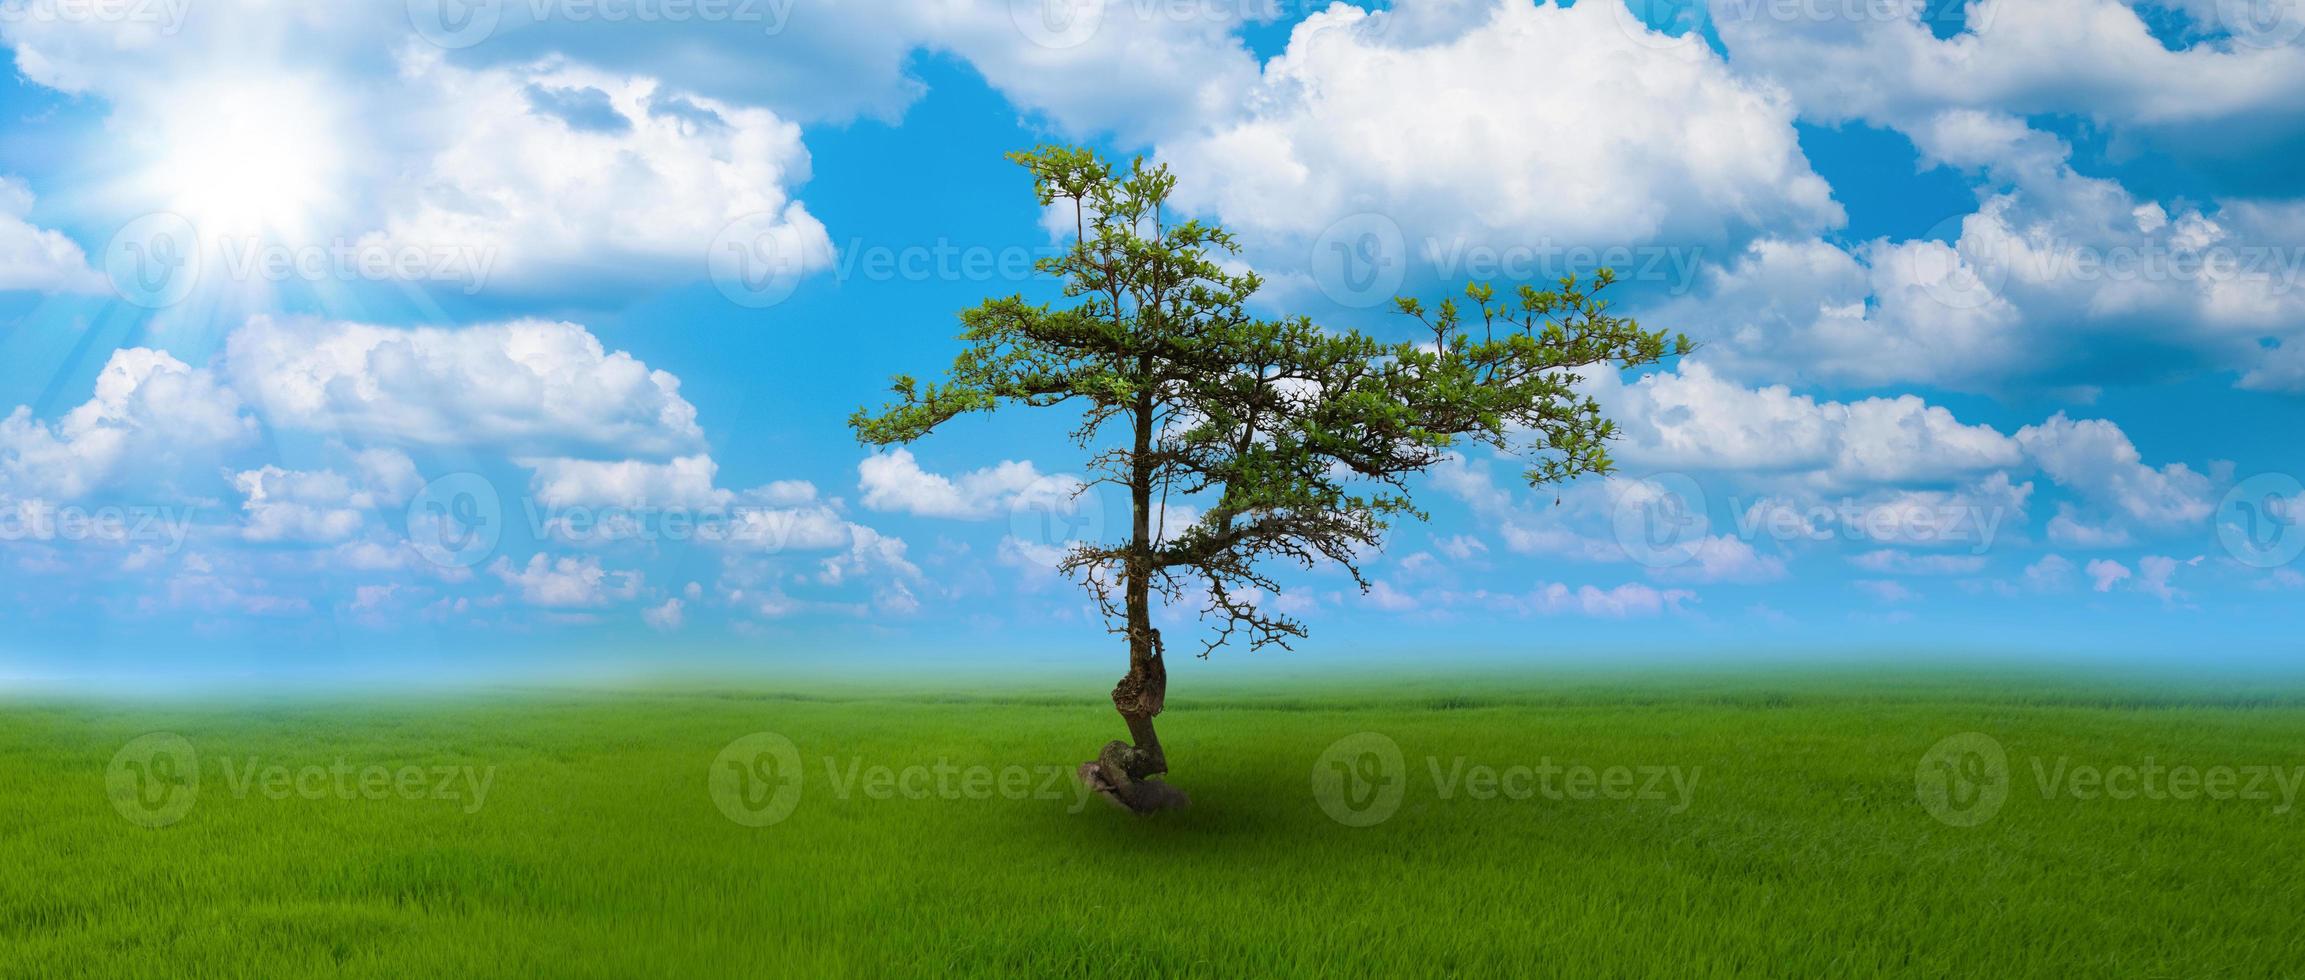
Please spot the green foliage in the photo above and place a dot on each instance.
(1303, 438)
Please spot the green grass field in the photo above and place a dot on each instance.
(599, 848)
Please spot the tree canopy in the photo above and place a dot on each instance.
(1302, 438)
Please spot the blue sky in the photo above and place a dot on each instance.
(348, 342)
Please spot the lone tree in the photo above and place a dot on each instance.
(1296, 441)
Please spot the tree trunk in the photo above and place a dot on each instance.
(1123, 771)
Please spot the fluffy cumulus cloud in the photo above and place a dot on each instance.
(2220, 91)
(668, 617)
(1626, 601)
(530, 387)
(565, 176)
(1692, 418)
(1728, 484)
(2116, 487)
(322, 506)
(683, 482)
(152, 420)
(1138, 70)
(2126, 289)
(37, 258)
(2105, 573)
(894, 481)
(1525, 121)
(571, 582)
(613, 460)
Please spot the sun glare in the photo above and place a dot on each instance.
(243, 159)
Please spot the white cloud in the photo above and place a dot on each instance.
(2154, 573)
(149, 418)
(562, 583)
(2216, 101)
(320, 506)
(2122, 288)
(1891, 561)
(2053, 573)
(323, 506)
(1137, 69)
(639, 186)
(2104, 573)
(686, 481)
(1471, 138)
(1721, 558)
(1461, 547)
(894, 481)
(1692, 418)
(869, 551)
(1809, 311)
(2095, 458)
(531, 387)
(1623, 601)
(36, 258)
(667, 618)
